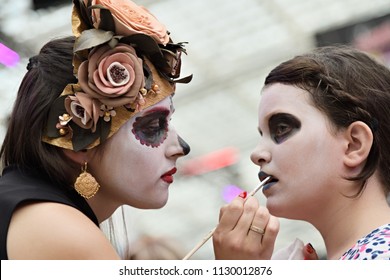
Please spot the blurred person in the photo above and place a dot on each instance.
(90, 131)
(324, 131)
(147, 247)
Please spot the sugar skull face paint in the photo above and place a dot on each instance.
(137, 165)
(152, 128)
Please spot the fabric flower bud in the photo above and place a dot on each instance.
(83, 110)
(118, 75)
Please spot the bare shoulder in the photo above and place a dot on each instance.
(47, 230)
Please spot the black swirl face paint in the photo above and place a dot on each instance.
(152, 129)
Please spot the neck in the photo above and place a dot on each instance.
(102, 208)
(352, 219)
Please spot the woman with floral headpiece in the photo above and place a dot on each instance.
(90, 131)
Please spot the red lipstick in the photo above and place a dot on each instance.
(168, 176)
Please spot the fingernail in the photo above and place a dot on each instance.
(243, 194)
(309, 248)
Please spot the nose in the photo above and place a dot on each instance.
(184, 145)
(178, 146)
(260, 155)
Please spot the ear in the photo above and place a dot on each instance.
(359, 141)
(79, 157)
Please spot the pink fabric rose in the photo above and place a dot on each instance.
(131, 19)
(112, 75)
(83, 110)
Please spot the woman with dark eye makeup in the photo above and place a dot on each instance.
(324, 124)
(90, 132)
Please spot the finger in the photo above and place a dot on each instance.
(258, 225)
(309, 253)
(230, 214)
(224, 208)
(250, 207)
(269, 237)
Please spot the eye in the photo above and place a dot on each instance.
(281, 132)
(283, 126)
(152, 129)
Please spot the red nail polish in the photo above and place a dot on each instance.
(309, 248)
(243, 194)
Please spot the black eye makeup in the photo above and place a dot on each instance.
(152, 129)
(282, 126)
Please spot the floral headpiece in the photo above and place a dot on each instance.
(124, 60)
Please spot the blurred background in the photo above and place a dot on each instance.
(232, 46)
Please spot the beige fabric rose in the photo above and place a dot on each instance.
(131, 19)
(114, 76)
(83, 110)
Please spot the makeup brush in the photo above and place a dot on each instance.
(210, 234)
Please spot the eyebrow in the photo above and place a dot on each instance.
(155, 110)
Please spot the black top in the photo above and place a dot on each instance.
(17, 186)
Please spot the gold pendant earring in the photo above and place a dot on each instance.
(86, 185)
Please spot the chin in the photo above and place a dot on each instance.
(155, 204)
(282, 212)
(159, 205)
(275, 209)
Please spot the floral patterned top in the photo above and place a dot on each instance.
(374, 246)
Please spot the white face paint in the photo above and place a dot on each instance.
(298, 148)
(137, 163)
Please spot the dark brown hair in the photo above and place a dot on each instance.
(347, 85)
(48, 74)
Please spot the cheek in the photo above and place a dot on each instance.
(128, 162)
(122, 152)
(138, 155)
(315, 157)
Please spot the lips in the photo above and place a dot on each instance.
(168, 176)
(262, 175)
